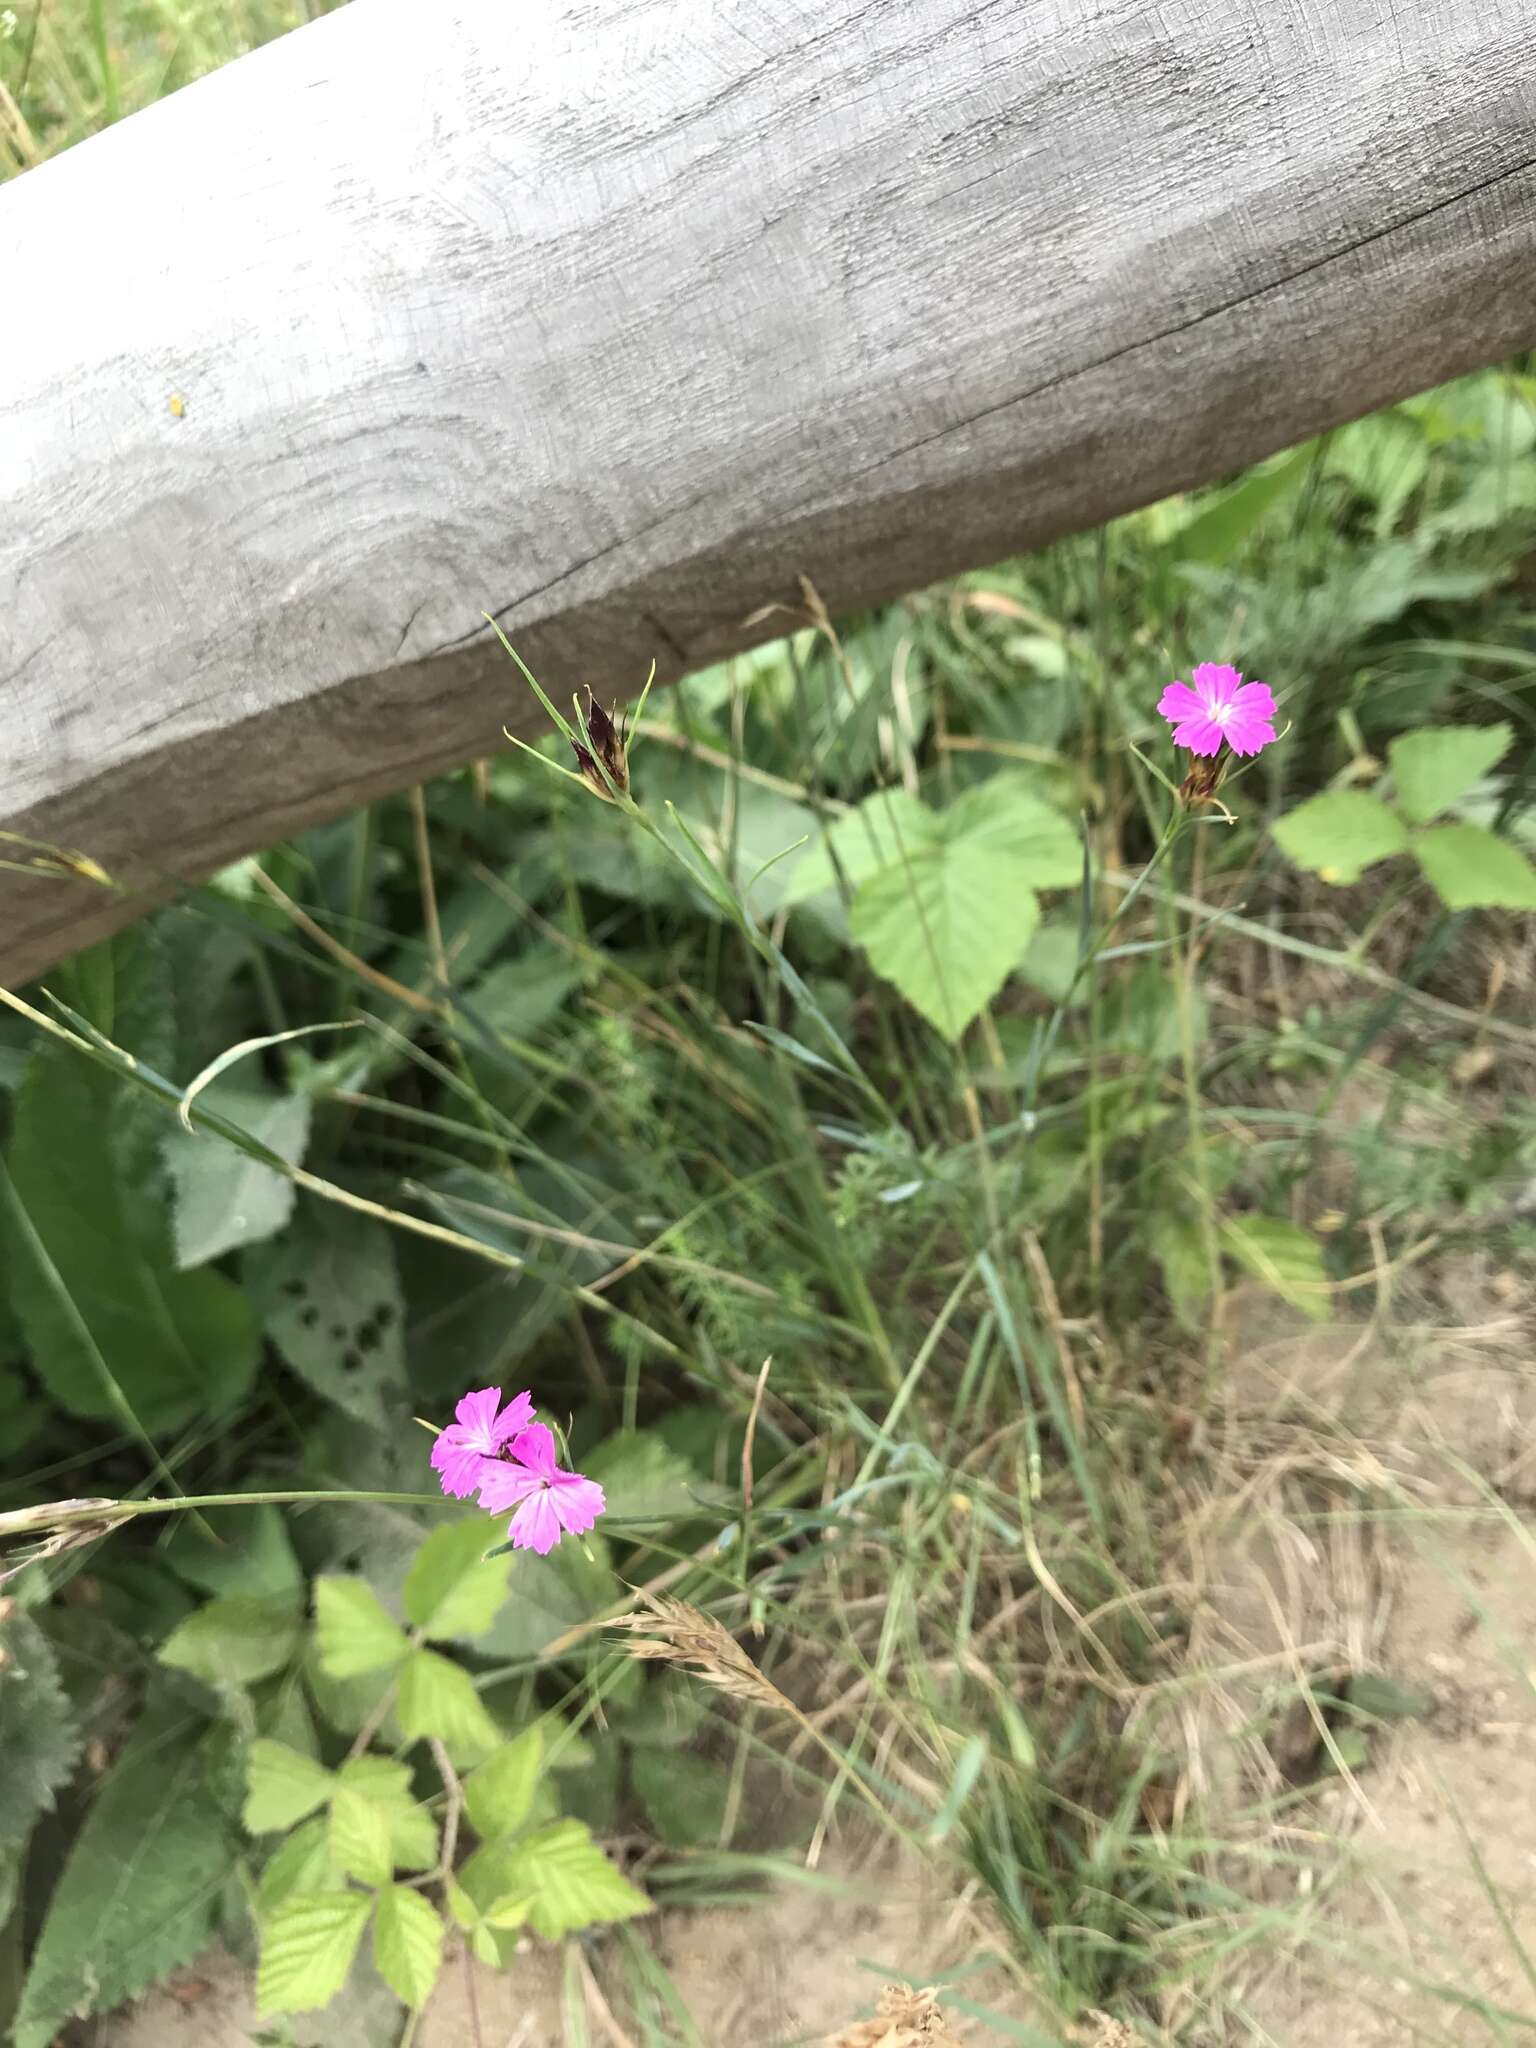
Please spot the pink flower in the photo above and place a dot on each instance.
(1221, 706)
(478, 1433)
(549, 1502)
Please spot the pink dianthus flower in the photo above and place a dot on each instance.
(1220, 706)
(480, 1428)
(550, 1503)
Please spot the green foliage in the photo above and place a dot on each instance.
(235, 1640)
(1284, 1257)
(1431, 768)
(354, 1633)
(1471, 869)
(38, 1737)
(329, 1298)
(138, 1893)
(499, 1795)
(224, 1197)
(453, 1590)
(308, 1941)
(1340, 834)
(408, 1944)
(283, 1785)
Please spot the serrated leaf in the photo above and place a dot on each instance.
(38, 1739)
(234, 1641)
(329, 1298)
(354, 1632)
(224, 1197)
(1431, 768)
(684, 1796)
(548, 1595)
(947, 927)
(437, 1697)
(1339, 834)
(1006, 815)
(408, 1944)
(642, 1479)
(282, 1786)
(99, 1308)
(567, 1880)
(138, 1895)
(1471, 869)
(302, 1864)
(451, 1591)
(359, 1837)
(249, 1552)
(499, 1794)
(1286, 1258)
(882, 830)
(307, 1946)
(412, 1830)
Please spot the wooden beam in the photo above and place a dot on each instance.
(611, 317)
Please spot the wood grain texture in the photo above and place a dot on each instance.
(611, 317)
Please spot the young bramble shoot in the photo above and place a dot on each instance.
(507, 1457)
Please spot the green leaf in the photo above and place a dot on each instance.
(548, 1595)
(412, 1830)
(642, 1479)
(1284, 1257)
(1471, 869)
(499, 1795)
(1220, 526)
(282, 1786)
(249, 1552)
(1179, 1248)
(329, 1298)
(302, 1864)
(307, 1946)
(567, 1880)
(38, 1739)
(684, 1796)
(1383, 459)
(437, 1697)
(138, 1895)
(224, 1197)
(451, 1591)
(107, 1323)
(1341, 833)
(1387, 1699)
(359, 1840)
(234, 1641)
(353, 1631)
(408, 1944)
(881, 831)
(1005, 814)
(1431, 768)
(947, 928)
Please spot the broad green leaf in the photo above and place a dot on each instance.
(437, 1697)
(1501, 492)
(307, 1945)
(669, 1711)
(451, 1590)
(359, 1839)
(1179, 1248)
(138, 1894)
(1005, 814)
(567, 1879)
(1220, 526)
(1286, 1258)
(107, 1322)
(329, 1298)
(1471, 869)
(282, 1786)
(642, 1479)
(353, 1630)
(499, 1795)
(947, 928)
(1383, 459)
(412, 1830)
(249, 1552)
(234, 1641)
(302, 1864)
(225, 1198)
(408, 1944)
(1341, 833)
(1431, 768)
(684, 1796)
(38, 1738)
(886, 828)
(548, 1595)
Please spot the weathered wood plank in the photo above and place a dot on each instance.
(613, 316)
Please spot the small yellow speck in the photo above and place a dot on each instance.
(1328, 874)
(178, 406)
(961, 1503)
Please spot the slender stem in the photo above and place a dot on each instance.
(70, 1514)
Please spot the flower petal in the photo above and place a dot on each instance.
(536, 1526)
(1255, 700)
(1248, 735)
(517, 1415)
(1201, 735)
(1215, 683)
(1180, 701)
(476, 1416)
(502, 1484)
(535, 1448)
(577, 1502)
(456, 1463)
